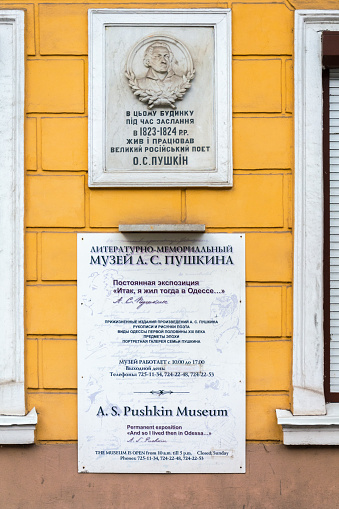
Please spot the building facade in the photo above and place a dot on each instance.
(264, 203)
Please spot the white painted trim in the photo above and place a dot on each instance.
(18, 429)
(12, 396)
(220, 20)
(310, 430)
(308, 338)
(15, 426)
(308, 391)
(308, 341)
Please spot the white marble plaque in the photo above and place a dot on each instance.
(161, 353)
(160, 98)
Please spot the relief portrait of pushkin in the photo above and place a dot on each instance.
(165, 77)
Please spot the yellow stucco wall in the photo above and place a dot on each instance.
(59, 203)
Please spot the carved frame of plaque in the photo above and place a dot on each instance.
(160, 98)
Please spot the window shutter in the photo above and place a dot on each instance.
(334, 227)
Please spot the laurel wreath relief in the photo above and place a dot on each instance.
(165, 97)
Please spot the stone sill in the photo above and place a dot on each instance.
(176, 228)
(18, 429)
(310, 429)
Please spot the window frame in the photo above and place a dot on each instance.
(15, 426)
(327, 276)
(311, 421)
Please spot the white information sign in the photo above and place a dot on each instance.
(161, 353)
(160, 109)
